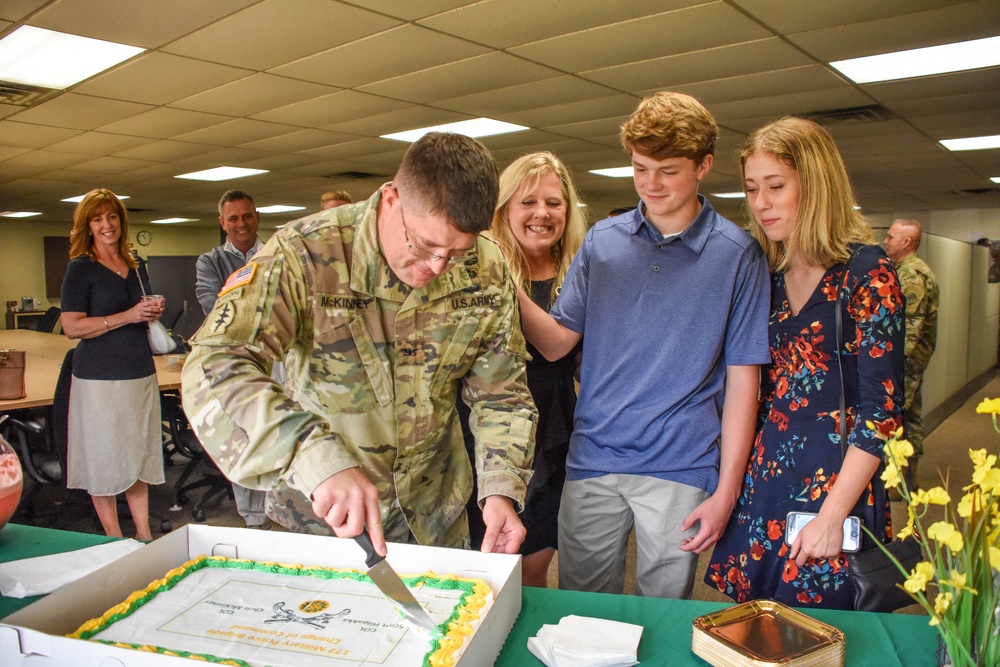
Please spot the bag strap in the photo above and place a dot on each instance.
(840, 346)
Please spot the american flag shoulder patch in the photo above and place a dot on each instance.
(240, 277)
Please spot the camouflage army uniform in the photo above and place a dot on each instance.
(372, 372)
(921, 292)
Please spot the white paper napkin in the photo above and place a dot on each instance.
(44, 574)
(579, 641)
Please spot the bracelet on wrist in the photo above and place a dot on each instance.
(106, 324)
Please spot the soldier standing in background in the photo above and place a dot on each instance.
(379, 316)
(921, 291)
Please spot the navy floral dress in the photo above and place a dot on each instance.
(797, 455)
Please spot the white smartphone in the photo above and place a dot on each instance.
(852, 529)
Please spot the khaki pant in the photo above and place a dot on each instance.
(596, 516)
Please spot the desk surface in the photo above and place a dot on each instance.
(873, 640)
(44, 353)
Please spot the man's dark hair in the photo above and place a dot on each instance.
(233, 195)
(454, 175)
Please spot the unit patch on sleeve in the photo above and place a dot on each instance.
(240, 277)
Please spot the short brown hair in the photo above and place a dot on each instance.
(670, 124)
(342, 195)
(454, 175)
(98, 201)
(235, 195)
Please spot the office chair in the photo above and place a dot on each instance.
(48, 321)
(184, 442)
(40, 437)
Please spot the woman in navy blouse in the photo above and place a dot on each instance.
(114, 439)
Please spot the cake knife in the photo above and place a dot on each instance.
(382, 574)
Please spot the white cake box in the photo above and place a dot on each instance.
(35, 635)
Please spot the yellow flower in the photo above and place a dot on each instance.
(964, 508)
(917, 581)
(957, 580)
(946, 534)
(941, 604)
(935, 496)
(911, 517)
(898, 451)
(989, 481)
(989, 406)
(995, 558)
(891, 475)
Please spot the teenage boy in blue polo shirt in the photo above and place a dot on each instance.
(672, 302)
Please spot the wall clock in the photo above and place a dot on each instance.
(144, 237)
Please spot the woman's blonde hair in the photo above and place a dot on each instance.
(81, 242)
(525, 172)
(827, 221)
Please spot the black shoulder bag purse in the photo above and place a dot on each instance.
(876, 579)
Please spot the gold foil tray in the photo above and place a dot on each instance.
(765, 632)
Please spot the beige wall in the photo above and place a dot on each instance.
(21, 249)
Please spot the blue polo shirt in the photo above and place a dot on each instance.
(661, 319)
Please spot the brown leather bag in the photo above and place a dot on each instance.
(12, 375)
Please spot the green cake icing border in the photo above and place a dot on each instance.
(317, 572)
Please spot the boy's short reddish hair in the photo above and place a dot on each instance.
(670, 124)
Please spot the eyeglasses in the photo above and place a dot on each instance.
(424, 253)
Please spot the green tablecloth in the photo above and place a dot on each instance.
(875, 640)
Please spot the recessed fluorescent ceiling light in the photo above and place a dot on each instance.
(972, 143)
(995, 179)
(39, 57)
(18, 214)
(79, 198)
(956, 57)
(727, 195)
(279, 208)
(477, 127)
(171, 221)
(221, 174)
(614, 172)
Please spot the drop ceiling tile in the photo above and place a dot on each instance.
(959, 124)
(802, 16)
(234, 157)
(165, 123)
(276, 32)
(283, 162)
(358, 148)
(165, 150)
(408, 117)
(400, 50)
(159, 78)
(703, 65)
(80, 112)
(789, 82)
(15, 10)
(409, 10)
(970, 20)
(7, 152)
(111, 165)
(591, 129)
(36, 162)
(9, 110)
(562, 113)
(98, 143)
(506, 23)
(299, 141)
(324, 112)
(128, 22)
(28, 135)
(931, 89)
(775, 107)
(465, 77)
(252, 94)
(524, 96)
(670, 33)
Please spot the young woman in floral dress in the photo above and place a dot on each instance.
(800, 198)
